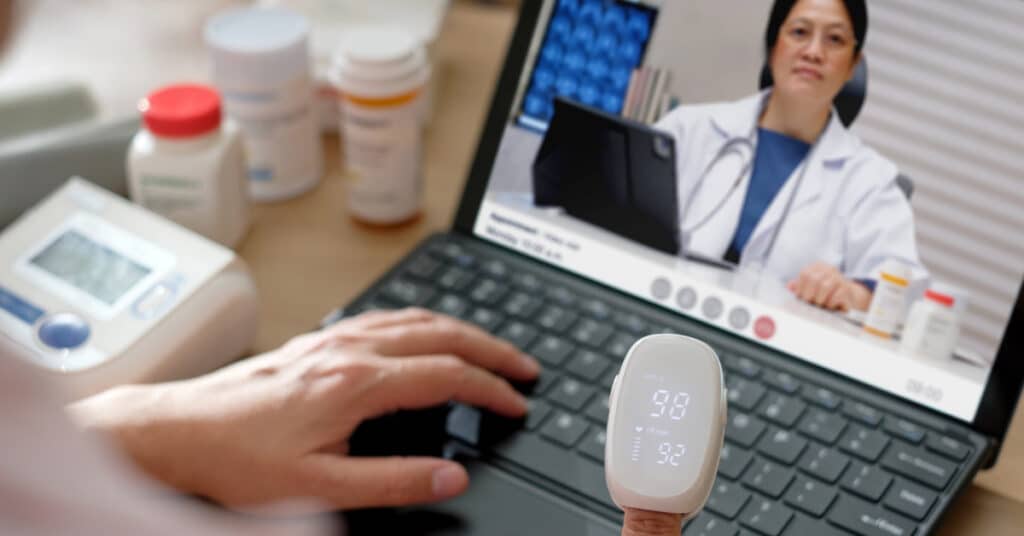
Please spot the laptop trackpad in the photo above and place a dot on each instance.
(495, 504)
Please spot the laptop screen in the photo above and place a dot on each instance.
(883, 245)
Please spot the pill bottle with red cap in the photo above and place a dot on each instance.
(187, 163)
(933, 326)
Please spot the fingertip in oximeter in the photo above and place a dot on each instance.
(666, 423)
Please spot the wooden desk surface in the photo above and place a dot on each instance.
(307, 255)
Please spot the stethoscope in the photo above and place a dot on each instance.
(739, 145)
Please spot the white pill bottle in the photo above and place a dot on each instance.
(889, 302)
(380, 74)
(260, 60)
(187, 165)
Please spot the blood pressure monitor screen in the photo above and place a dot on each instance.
(947, 205)
(90, 267)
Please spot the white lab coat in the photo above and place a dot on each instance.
(848, 212)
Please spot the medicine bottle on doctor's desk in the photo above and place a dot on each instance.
(380, 74)
(188, 164)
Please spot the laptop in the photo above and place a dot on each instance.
(611, 172)
(830, 432)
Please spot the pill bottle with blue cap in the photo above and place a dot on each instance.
(261, 65)
(380, 74)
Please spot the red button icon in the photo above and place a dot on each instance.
(764, 327)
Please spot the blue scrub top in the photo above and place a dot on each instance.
(776, 157)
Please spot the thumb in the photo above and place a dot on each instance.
(647, 523)
(355, 482)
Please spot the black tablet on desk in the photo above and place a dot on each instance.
(611, 172)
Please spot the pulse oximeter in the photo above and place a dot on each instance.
(667, 415)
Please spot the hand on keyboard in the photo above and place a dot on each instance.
(277, 426)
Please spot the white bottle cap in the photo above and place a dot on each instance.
(258, 46)
(379, 62)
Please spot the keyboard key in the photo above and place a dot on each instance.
(733, 461)
(727, 499)
(824, 463)
(545, 380)
(485, 318)
(863, 443)
(810, 496)
(820, 396)
(904, 429)
(866, 481)
(953, 449)
(451, 304)
(747, 367)
(782, 445)
(518, 334)
(495, 269)
(556, 319)
(521, 305)
(706, 524)
(823, 426)
(910, 499)
(915, 463)
(631, 322)
(564, 429)
(588, 365)
(867, 519)
(555, 463)
(765, 517)
(609, 378)
(619, 346)
(536, 412)
(561, 295)
(597, 410)
(768, 477)
(802, 525)
(782, 410)
(863, 413)
(527, 282)
(423, 267)
(406, 292)
(571, 394)
(487, 292)
(596, 308)
(743, 429)
(593, 444)
(551, 350)
(591, 332)
(782, 381)
(744, 394)
(455, 279)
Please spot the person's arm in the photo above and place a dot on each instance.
(275, 427)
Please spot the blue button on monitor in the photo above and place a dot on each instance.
(64, 331)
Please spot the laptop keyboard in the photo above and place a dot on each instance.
(798, 458)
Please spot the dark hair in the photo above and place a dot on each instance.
(857, 10)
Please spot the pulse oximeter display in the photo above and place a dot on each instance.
(665, 425)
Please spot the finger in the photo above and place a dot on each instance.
(828, 286)
(354, 482)
(419, 382)
(646, 523)
(382, 319)
(840, 299)
(449, 336)
(809, 287)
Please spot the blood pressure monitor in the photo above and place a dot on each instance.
(98, 292)
(667, 415)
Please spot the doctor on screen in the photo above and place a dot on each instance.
(777, 182)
